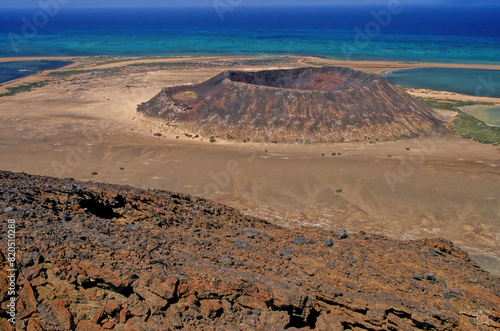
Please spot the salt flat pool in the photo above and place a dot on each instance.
(480, 82)
(487, 114)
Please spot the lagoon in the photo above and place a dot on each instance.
(19, 69)
(479, 82)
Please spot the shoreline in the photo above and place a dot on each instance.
(377, 67)
(367, 64)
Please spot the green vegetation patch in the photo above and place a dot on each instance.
(452, 104)
(162, 64)
(67, 73)
(268, 60)
(26, 87)
(470, 127)
(319, 64)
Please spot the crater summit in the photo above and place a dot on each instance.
(329, 104)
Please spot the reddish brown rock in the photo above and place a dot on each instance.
(123, 315)
(210, 309)
(6, 325)
(112, 307)
(275, 318)
(55, 315)
(328, 321)
(88, 326)
(27, 302)
(131, 259)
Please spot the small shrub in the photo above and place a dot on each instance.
(470, 127)
(407, 149)
(323, 154)
(177, 137)
(95, 173)
(340, 190)
(389, 155)
(212, 140)
(265, 151)
(334, 154)
(26, 87)
(122, 168)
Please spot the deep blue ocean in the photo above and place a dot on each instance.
(413, 33)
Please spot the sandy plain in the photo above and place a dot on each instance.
(444, 186)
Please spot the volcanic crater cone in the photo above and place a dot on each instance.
(329, 104)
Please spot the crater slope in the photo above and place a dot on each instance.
(329, 104)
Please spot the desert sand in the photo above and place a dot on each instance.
(443, 186)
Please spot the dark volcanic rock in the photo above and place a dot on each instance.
(180, 269)
(340, 234)
(329, 104)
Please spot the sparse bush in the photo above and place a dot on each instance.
(212, 140)
(27, 87)
(340, 190)
(452, 104)
(470, 127)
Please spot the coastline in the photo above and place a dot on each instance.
(378, 67)
(373, 66)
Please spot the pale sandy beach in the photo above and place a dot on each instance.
(444, 186)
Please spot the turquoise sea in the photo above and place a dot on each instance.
(416, 33)
(406, 33)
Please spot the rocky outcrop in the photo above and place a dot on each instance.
(329, 104)
(94, 256)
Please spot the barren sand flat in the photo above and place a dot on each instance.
(444, 186)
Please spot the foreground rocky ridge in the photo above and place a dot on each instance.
(99, 257)
(329, 104)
